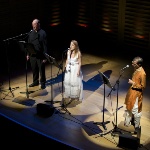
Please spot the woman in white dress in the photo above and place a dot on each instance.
(73, 85)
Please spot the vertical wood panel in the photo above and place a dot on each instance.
(137, 23)
(106, 20)
(121, 21)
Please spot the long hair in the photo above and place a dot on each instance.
(77, 49)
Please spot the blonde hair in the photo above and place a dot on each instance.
(77, 49)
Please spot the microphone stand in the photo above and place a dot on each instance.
(27, 48)
(8, 63)
(62, 105)
(52, 61)
(116, 129)
(15, 37)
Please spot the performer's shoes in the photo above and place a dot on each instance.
(132, 122)
(33, 84)
(43, 86)
(138, 132)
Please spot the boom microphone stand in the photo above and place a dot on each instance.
(116, 129)
(7, 41)
(8, 63)
(106, 82)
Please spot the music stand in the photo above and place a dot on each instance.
(106, 82)
(27, 48)
(52, 60)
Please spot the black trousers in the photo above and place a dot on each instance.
(38, 68)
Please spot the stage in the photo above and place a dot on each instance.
(87, 125)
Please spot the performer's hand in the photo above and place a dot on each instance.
(78, 73)
(130, 81)
(28, 57)
(44, 60)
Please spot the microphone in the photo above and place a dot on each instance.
(66, 50)
(30, 31)
(127, 66)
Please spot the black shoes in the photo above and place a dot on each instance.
(36, 84)
(138, 132)
(43, 86)
(33, 84)
(132, 122)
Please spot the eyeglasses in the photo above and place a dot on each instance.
(134, 63)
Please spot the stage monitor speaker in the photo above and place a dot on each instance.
(44, 110)
(128, 142)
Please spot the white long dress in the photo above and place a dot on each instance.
(73, 85)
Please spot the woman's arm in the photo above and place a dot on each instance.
(79, 60)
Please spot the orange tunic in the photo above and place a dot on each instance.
(139, 77)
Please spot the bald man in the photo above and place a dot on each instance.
(38, 38)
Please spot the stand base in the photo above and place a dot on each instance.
(52, 102)
(116, 130)
(65, 109)
(102, 124)
(27, 93)
(10, 90)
